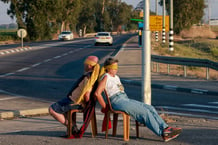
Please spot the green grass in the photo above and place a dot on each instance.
(9, 34)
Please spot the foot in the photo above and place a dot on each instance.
(170, 133)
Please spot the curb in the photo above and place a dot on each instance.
(173, 88)
(9, 51)
(23, 113)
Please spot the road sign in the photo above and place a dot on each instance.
(21, 33)
(156, 23)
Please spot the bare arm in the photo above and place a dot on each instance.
(87, 96)
(99, 90)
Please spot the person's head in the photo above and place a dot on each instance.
(90, 63)
(111, 65)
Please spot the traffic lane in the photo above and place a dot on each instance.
(41, 76)
(50, 80)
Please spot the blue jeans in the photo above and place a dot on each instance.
(143, 113)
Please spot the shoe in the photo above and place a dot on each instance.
(75, 130)
(168, 138)
(170, 133)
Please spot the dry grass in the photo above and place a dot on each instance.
(200, 43)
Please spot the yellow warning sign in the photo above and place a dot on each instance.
(156, 23)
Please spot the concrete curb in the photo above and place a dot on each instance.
(9, 51)
(23, 113)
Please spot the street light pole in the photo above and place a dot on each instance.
(146, 55)
(164, 27)
(171, 27)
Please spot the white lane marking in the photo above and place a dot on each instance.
(5, 75)
(47, 60)
(36, 64)
(189, 115)
(213, 102)
(198, 105)
(56, 57)
(44, 61)
(186, 109)
(23, 69)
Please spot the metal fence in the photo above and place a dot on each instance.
(208, 64)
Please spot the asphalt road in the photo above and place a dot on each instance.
(48, 71)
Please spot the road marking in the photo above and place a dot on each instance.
(213, 102)
(187, 109)
(47, 60)
(198, 105)
(23, 69)
(189, 115)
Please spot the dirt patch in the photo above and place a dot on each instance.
(198, 31)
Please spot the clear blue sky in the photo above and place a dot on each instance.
(5, 19)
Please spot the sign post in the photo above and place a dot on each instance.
(22, 34)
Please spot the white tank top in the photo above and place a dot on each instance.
(113, 85)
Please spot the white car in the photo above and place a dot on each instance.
(65, 35)
(103, 38)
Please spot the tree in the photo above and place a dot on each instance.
(186, 13)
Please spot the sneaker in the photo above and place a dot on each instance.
(168, 138)
(170, 133)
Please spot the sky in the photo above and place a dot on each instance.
(5, 19)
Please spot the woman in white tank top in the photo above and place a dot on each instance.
(143, 113)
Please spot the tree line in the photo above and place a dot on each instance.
(43, 19)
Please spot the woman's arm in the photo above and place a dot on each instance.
(99, 90)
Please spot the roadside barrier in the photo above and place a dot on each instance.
(208, 64)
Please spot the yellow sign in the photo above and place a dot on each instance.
(156, 23)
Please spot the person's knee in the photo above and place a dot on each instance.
(50, 110)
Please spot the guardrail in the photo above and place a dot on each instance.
(185, 62)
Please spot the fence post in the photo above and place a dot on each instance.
(207, 73)
(157, 67)
(185, 71)
(168, 68)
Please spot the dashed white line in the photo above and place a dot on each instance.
(47, 60)
(23, 69)
(34, 65)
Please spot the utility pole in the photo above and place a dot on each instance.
(156, 9)
(164, 29)
(146, 55)
(171, 27)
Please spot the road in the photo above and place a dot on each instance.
(48, 71)
(50, 68)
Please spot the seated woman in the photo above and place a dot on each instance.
(143, 113)
(79, 94)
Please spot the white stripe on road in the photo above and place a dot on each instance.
(47, 60)
(187, 109)
(198, 105)
(189, 115)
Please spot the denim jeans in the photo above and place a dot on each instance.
(143, 113)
